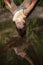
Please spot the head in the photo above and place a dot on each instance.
(20, 24)
(22, 31)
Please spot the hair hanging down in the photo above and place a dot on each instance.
(22, 14)
(22, 32)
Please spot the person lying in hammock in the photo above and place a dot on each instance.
(20, 14)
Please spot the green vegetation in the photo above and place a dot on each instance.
(34, 37)
(41, 2)
(19, 2)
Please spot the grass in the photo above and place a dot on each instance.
(34, 35)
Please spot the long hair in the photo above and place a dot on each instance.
(22, 32)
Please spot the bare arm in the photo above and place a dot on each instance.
(30, 7)
(7, 3)
(11, 5)
(26, 3)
